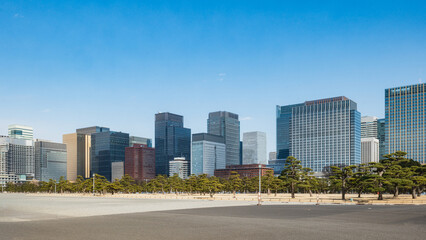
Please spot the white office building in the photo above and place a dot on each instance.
(20, 132)
(369, 150)
(254, 148)
(179, 166)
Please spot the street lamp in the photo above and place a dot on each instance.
(93, 184)
(260, 186)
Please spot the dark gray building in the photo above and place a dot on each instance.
(172, 140)
(108, 153)
(226, 124)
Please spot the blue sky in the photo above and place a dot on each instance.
(71, 64)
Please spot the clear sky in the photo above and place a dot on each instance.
(71, 64)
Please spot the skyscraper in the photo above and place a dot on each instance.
(108, 153)
(320, 133)
(369, 139)
(171, 140)
(78, 151)
(227, 125)
(369, 127)
(21, 151)
(254, 148)
(50, 160)
(140, 140)
(405, 114)
(284, 115)
(381, 135)
(208, 153)
(20, 132)
(139, 162)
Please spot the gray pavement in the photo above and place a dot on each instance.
(234, 222)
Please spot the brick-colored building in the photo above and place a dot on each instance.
(249, 170)
(139, 162)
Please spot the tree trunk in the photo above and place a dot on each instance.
(276, 190)
(310, 192)
(413, 192)
(396, 193)
(359, 194)
(292, 190)
(380, 196)
(269, 191)
(419, 191)
(343, 190)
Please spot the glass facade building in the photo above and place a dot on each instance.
(320, 133)
(227, 125)
(284, 114)
(254, 148)
(381, 135)
(405, 114)
(20, 132)
(140, 140)
(171, 140)
(208, 153)
(78, 151)
(50, 160)
(108, 148)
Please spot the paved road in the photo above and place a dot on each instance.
(239, 222)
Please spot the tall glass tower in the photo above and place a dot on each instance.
(320, 133)
(171, 140)
(108, 153)
(405, 114)
(227, 125)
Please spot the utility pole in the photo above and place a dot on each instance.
(93, 184)
(259, 203)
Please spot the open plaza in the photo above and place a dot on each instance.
(146, 216)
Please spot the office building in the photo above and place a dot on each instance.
(241, 153)
(79, 150)
(17, 158)
(140, 140)
(272, 155)
(369, 127)
(208, 153)
(20, 132)
(179, 166)
(284, 120)
(369, 139)
(251, 170)
(254, 148)
(172, 140)
(277, 165)
(320, 133)
(227, 125)
(108, 153)
(369, 150)
(405, 114)
(50, 160)
(139, 162)
(381, 135)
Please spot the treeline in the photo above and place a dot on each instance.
(394, 174)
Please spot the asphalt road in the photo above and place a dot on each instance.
(236, 222)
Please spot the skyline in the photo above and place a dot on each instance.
(68, 65)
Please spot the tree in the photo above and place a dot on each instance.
(175, 183)
(214, 185)
(308, 181)
(127, 183)
(235, 182)
(267, 181)
(359, 181)
(343, 174)
(292, 173)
